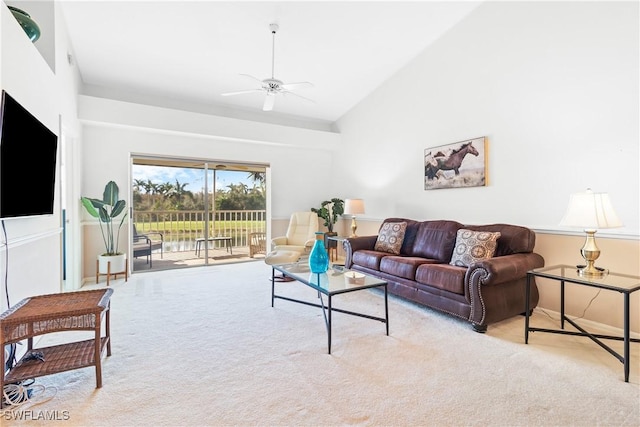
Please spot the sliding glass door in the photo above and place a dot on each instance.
(194, 212)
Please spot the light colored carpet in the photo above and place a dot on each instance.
(203, 346)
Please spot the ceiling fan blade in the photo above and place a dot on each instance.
(252, 77)
(241, 92)
(269, 100)
(287, 93)
(298, 85)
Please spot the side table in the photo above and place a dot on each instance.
(44, 314)
(622, 283)
(332, 246)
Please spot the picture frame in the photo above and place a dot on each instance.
(456, 165)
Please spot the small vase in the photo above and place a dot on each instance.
(318, 258)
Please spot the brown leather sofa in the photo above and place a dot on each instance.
(485, 292)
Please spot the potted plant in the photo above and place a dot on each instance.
(330, 210)
(107, 210)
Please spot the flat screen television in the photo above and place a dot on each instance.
(28, 151)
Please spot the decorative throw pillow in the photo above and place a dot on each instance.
(473, 246)
(390, 237)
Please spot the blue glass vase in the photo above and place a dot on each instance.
(318, 258)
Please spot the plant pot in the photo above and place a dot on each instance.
(118, 263)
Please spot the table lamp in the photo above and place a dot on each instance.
(590, 211)
(353, 207)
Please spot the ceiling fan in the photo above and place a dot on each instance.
(272, 86)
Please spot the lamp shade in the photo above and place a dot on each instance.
(590, 211)
(353, 206)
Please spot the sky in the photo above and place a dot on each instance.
(193, 177)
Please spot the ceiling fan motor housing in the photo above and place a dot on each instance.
(272, 84)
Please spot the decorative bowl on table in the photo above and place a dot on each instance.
(353, 278)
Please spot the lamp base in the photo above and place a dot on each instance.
(594, 272)
(354, 227)
(590, 252)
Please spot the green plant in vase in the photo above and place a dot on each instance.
(106, 210)
(329, 211)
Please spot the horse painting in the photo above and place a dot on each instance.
(451, 162)
(445, 165)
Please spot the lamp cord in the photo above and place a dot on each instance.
(11, 359)
(588, 305)
(6, 264)
(583, 311)
(19, 394)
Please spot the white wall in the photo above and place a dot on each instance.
(34, 244)
(554, 87)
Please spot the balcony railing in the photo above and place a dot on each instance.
(180, 229)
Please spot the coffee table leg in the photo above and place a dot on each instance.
(329, 326)
(386, 308)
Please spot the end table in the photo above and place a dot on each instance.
(44, 314)
(622, 283)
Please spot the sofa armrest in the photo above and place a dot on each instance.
(505, 268)
(353, 244)
(497, 287)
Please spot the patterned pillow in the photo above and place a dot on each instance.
(473, 246)
(390, 237)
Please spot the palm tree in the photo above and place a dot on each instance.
(177, 194)
(258, 177)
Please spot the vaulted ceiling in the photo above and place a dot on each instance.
(182, 53)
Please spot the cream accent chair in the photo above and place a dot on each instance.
(300, 235)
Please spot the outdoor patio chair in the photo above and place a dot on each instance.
(144, 245)
(257, 244)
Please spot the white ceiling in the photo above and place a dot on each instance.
(191, 52)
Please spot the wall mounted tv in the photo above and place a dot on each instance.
(28, 152)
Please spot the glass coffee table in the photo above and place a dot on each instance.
(330, 284)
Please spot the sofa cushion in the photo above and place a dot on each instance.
(369, 259)
(473, 246)
(442, 276)
(390, 237)
(435, 240)
(403, 266)
(409, 235)
(514, 239)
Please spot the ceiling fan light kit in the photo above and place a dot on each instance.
(272, 86)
